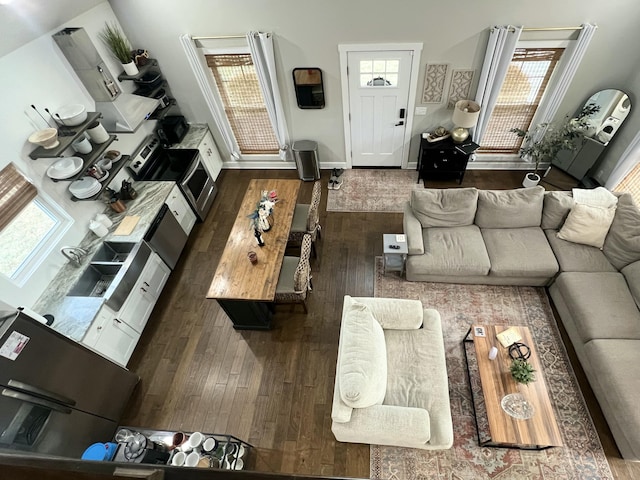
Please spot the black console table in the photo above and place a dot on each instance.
(444, 159)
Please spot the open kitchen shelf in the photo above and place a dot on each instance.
(151, 64)
(112, 173)
(88, 159)
(65, 142)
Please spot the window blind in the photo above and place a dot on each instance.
(631, 184)
(527, 78)
(237, 82)
(16, 192)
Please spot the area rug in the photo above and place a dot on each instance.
(365, 190)
(460, 306)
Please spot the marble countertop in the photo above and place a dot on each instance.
(74, 315)
(194, 136)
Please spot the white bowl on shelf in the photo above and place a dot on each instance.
(73, 114)
(85, 187)
(46, 138)
(64, 168)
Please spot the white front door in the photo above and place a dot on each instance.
(378, 100)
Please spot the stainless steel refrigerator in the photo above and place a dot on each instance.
(57, 397)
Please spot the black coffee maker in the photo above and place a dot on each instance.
(139, 449)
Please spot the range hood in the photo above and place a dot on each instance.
(121, 112)
(127, 112)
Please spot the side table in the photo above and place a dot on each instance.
(394, 258)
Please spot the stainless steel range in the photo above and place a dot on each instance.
(183, 166)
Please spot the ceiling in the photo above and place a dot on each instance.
(22, 21)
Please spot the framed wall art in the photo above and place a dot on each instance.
(460, 86)
(435, 76)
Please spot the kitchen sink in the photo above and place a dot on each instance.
(112, 272)
(95, 281)
(113, 252)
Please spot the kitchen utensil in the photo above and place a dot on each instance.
(127, 192)
(73, 114)
(97, 132)
(178, 459)
(46, 138)
(65, 168)
(196, 439)
(106, 221)
(179, 437)
(43, 119)
(62, 130)
(123, 435)
(82, 145)
(104, 164)
(113, 155)
(209, 445)
(127, 226)
(192, 459)
(100, 451)
(84, 187)
(204, 462)
(117, 205)
(98, 228)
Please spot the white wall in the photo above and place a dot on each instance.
(37, 73)
(308, 34)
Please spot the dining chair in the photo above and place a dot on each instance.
(306, 219)
(294, 281)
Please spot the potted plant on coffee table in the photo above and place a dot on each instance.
(120, 47)
(544, 141)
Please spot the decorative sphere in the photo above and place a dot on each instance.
(459, 134)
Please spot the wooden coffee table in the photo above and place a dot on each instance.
(495, 426)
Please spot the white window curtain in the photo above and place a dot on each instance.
(500, 49)
(563, 75)
(627, 162)
(207, 85)
(262, 53)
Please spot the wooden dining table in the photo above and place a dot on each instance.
(244, 290)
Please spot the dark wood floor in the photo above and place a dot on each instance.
(274, 389)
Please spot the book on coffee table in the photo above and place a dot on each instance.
(508, 337)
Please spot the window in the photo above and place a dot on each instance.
(379, 73)
(527, 78)
(28, 225)
(631, 184)
(237, 83)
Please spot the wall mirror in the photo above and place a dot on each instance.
(614, 106)
(309, 89)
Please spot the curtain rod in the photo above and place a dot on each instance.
(219, 37)
(544, 29)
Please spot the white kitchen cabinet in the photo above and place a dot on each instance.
(181, 209)
(137, 307)
(111, 337)
(210, 155)
(116, 334)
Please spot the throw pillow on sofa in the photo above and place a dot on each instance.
(362, 371)
(447, 207)
(510, 208)
(622, 245)
(557, 206)
(587, 225)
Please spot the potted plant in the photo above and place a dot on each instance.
(119, 46)
(546, 140)
(522, 371)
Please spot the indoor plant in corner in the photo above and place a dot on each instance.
(119, 46)
(546, 140)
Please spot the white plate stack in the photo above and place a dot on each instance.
(85, 187)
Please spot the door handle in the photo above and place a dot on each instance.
(24, 397)
(399, 123)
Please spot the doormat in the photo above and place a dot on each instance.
(460, 306)
(365, 190)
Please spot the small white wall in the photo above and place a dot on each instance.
(37, 73)
(308, 35)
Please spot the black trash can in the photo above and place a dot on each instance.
(305, 153)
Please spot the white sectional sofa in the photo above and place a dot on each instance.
(513, 237)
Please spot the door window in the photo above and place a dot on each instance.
(379, 73)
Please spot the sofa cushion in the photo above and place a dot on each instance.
(362, 370)
(616, 384)
(622, 245)
(510, 208)
(556, 207)
(587, 225)
(449, 207)
(600, 304)
(574, 257)
(519, 252)
(632, 275)
(456, 251)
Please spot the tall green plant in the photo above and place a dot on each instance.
(117, 42)
(546, 140)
